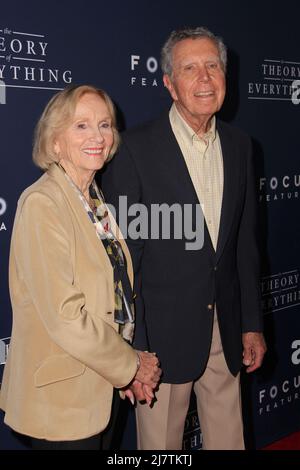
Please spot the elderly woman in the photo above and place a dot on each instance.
(70, 286)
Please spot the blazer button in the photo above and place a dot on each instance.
(210, 307)
(215, 268)
(109, 313)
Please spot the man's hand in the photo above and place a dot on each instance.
(149, 371)
(145, 379)
(254, 350)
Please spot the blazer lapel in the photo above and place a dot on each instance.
(80, 214)
(231, 167)
(88, 228)
(174, 161)
(176, 165)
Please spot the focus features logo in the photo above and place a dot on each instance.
(144, 70)
(278, 395)
(283, 393)
(23, 63)
(278, 188)
(280, 291)
(3, 207)
(278, 80)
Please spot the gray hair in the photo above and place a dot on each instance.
(190, 33)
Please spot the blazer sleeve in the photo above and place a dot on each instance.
(248, 259)
(43, 256)
(121, 178)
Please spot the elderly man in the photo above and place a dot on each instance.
(199, 310)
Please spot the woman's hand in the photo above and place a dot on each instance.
(140, 392)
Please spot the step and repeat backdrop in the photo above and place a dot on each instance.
(44, 46)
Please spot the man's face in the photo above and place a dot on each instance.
(197, 84)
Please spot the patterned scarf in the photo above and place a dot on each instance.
(124, 311)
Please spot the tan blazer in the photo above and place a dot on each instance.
(65, 354)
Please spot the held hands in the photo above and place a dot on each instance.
(148, 372)
(146, 378)
(140, 392)
(254, 350)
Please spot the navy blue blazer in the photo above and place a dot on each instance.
(176, 287)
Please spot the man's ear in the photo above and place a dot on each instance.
(169, 85)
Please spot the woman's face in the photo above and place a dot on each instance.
(86, 142)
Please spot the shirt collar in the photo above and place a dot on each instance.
(187, 132)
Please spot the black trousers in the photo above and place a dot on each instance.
(103, 441)
(90, 443)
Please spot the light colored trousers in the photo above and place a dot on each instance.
(218, 404)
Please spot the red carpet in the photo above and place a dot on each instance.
(291, 442)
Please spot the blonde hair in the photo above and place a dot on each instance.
(57, 116)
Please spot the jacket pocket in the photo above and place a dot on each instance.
(57, 368)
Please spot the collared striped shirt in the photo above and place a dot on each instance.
(203, 158)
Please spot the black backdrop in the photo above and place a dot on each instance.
(115, 45)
